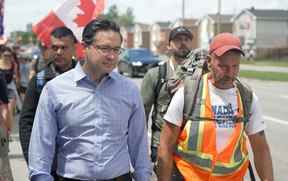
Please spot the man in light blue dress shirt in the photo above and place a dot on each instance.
(91, 118)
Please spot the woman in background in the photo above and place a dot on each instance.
(5, 168)
(7, 69)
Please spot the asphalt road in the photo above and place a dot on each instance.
(274, 99)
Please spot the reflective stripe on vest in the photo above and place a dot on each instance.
(197, 141)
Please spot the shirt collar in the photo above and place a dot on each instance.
(79, 73)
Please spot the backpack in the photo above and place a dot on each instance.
(196, 65)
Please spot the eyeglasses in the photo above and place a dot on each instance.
(107, 50)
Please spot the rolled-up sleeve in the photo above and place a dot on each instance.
(137, 141)
(42, 142)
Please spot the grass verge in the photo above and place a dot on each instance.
(272, 76)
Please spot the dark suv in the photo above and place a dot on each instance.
(137, 61)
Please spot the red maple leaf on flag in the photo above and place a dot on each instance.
(87, 7)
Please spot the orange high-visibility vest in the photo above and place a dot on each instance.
(196, 156)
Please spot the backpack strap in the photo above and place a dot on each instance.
(44, 76)
(191, 89)
(40, 80)
(162, 71)
(246, 98)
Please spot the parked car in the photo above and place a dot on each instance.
(137, 61)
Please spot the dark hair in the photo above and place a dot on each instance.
(63, 31)
(4, 48)
(96, 25)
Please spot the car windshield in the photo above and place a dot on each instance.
(134, 54)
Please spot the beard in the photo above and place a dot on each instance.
(182, 53)
(222, 81)
(225, 81)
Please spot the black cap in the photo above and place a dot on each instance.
(180, 30)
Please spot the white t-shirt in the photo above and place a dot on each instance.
(224, 105)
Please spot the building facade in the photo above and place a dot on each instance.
(264, 32)
(141, 35)
(210, 25)
(159, 37)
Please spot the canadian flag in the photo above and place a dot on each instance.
(74, 14)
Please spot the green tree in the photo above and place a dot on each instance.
(127, 19)
(24, 37)
(124, 19)
(112, 14)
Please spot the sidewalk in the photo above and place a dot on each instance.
(18, 164)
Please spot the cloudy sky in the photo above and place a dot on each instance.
(20, 12)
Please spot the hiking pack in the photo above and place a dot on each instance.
(192, 74)
(195, 65)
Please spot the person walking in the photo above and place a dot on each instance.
(62, 52)
(40, 58)
(91, 117)
(7, 69)
(207, 123)
(160, 83)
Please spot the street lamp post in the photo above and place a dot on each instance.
(183, 9)
(219, 16)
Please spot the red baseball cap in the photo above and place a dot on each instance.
(224, 42)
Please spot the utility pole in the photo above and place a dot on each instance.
(183, 9)
(219, 16)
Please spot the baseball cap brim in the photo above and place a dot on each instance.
(222, 50)
(181, 30)
(180, 33)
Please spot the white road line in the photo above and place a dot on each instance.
(275, 120)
